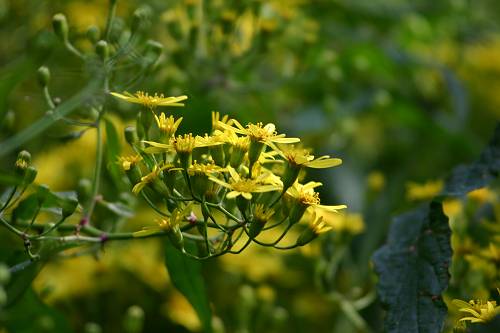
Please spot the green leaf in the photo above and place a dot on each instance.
(186, 276)
(42, 318)
(26, 209)
(113, 151)
(413, 271)
(464, 179)
(117, 208)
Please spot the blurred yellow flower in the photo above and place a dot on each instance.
(428, 190)
(351, 223)
(375, 181)
(128, 161)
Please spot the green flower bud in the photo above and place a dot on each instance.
(93, 33)
(60, 25)
(3, 297)
(144, 119)
(260, 217)
(9, 120)
(84, 190)
(4, 274)
(134, 319)
(23, 161)
(176, 237)
(30, 175)
(154, 47)
(254, 151)
(296, 212)
(102, 50)
(140, 18)
(217, 153)
(290, 175)
(68, 206)
(43, 76)
(306, 237)
(236, 158)
(131, 135)
(92, 328)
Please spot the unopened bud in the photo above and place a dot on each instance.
(4, 274)
(23, 161)
(68, 206)
(60, 25)
(93, 33)
(92, 328)
(134, 319)
(131, 135)
(102, 50)
(140, 18)
(43, 76)
(30, 175)
(84, 190)
(306, 236)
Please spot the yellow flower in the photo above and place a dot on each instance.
(259, 133)
(216, 120)
(182, 144)
(430, 189)
(149, 101)
(348, 223)
(306, 196)
(128, 161)
(169, 125)
(300, 157)
(150, 177)
(245, 186)
(318, 226)
(481, 312)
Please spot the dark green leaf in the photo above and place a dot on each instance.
(467, 178)
(42, 318)
(413, 271)
(186, 276)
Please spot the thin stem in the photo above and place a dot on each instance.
(11, 195)
(73, 50)
(14, 230)
(97, 170)
(48, 98)
(109, 19)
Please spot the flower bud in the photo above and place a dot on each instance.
(176, 237)
(260, 217)
(306, 236)
(30, 175)
(84, 190)
(92, 328)
(93, 33)
(296, 211)
(145, 119)
(155, 48)
(131, 135)
(68, 206)
(60, 25)
(140, 18)
(43, 76)
(217, 153)
(290, 175)
(134, 319)
(102, 50)
(254, 151)
(237, 156)
(3, 297)
(23, 161)
(4, 274)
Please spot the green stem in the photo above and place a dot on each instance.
(97, 170)
(109, 19)
(11, 195)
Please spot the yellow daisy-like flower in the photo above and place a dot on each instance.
(318, 226)
(167, 126)
(245, 186)
(481, 312)
(216, 119)
(306, 196)
(182, 144)
(150, 177)
(150, 101)
(128, 161)
(300, 157)
(259, 133)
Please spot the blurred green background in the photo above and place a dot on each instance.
(402, 91)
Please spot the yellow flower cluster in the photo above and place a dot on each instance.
(240, 180)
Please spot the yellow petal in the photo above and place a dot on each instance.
(323, 163)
